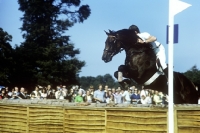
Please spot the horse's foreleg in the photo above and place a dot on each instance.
(122, 72)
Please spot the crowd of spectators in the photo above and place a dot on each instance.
(77, 94)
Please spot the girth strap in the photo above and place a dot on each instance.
(153, 78)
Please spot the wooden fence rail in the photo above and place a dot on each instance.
(58, 116)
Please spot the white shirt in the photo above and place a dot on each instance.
(118, 97)
(144, 36)
(82, 91)
(148, 99)
(126, 96)
(36, 93)
(43, 95)
(143, 101)
(143, 92)
(157, 99)
(60, 94)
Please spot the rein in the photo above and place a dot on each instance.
(114, 52)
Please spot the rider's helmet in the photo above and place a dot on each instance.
(135, 28)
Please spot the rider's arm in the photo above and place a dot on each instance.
(146, 37)
(151, 39)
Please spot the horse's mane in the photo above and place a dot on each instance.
(144, 50)
(138, 47)
(125, 34)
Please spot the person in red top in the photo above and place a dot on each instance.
(3, 94)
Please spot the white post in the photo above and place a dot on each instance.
(170, 69)
(175, 7)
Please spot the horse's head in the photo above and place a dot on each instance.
(117, 41)
(112, 46)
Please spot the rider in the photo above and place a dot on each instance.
(158, 48)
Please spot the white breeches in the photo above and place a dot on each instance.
(160, 54)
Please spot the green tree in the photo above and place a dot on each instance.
(193, 74)
(6, 52)
(47, 56)
(107, 79)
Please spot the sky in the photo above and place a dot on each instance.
(89, 37)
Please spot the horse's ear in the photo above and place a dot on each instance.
(106, 33)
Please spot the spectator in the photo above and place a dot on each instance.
(66, 92)
(64, 88)
(9, 93)
(108, 96)
(58, 87)
(152, 95)
(7, 90)
(52, 94)
(79, 97)
(152, 92)
(88, 97)
(32, 95)
(157, 98)
(135, 96)
(130, 92)
(113, 91)
(106, 88)
(22, 94)
(49, 89)
(142, 100)
(91, 89)
(40, 88)
(119, 88)
(132, 87)
(143, 92)
(161, 94)
(44, 93)
(69, 96)
(139, 92)
(16, 92)
(60, 94)
(12, 95)
(165, 99)
(82, 91)
(118, 96)
(126, 97)
(99, 95)
(36, 91)
(149, 98)
(3, 94)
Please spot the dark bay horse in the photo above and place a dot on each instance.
(140, 66)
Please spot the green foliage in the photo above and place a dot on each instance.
(6, 52)
(47, 56)
(107, 79)
(193, 74)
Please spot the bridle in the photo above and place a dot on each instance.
(114, 42)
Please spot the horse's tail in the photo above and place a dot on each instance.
(187, 88)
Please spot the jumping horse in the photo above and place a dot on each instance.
(140, 66)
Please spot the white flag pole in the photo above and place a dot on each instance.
(175, 7)
(170, 69)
